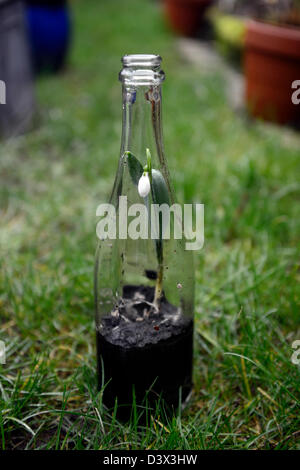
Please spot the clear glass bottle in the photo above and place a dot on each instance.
(144, 287)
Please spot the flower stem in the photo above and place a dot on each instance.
(158, 286)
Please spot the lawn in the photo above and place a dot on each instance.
(246, 393)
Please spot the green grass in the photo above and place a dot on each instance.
(246, 393)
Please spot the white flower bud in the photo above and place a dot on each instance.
(144, 185)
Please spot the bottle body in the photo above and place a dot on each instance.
(144, 277)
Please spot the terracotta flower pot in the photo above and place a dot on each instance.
(272, 63)
(185, 16)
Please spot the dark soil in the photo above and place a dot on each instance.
(146, 349)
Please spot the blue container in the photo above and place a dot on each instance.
(49, 29)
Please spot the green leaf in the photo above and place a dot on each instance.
(159, 188)
(135, 168)
(149, 164)
(160, 195)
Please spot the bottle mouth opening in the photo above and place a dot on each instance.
(141, 60)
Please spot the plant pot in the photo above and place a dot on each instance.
(229, 34)
(17, 103)
(272, 64)
(185, 16)
(49, 30)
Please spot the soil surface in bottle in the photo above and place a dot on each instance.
(145, 349)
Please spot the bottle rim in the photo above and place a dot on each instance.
(141, 69)
(141, 60)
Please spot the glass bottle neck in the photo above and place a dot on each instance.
(142, 120)
(141, 78)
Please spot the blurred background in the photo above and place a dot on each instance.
(232, 143)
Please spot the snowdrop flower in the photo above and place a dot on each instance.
(144, 185)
